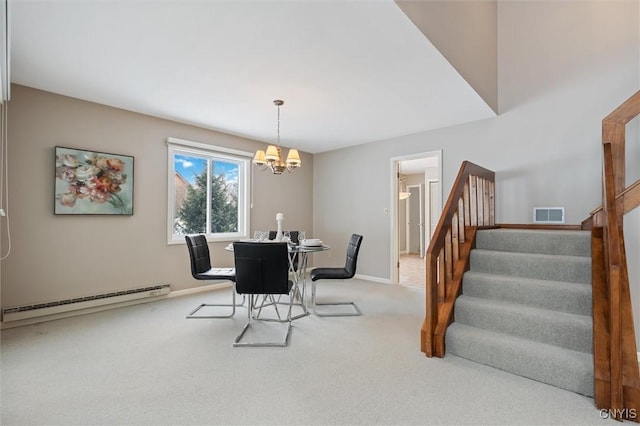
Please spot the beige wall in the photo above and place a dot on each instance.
(465, 33)
(56, 257)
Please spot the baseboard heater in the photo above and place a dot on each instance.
(79, 303)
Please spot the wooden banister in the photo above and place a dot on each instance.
(617, 378)
(626, 201)
(471, 204)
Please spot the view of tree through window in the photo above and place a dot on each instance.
(198, 179)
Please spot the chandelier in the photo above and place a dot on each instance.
(272, 158)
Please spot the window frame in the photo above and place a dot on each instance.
(197, 149)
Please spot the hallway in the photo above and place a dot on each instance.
(412, 270)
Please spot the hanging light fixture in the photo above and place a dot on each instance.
(403, 194)
(272, 158)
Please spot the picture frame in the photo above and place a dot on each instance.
(92, 182)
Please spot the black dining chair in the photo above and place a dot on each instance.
(201, 270)
(343, 273)
(262, 271)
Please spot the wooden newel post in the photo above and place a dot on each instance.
(431, 317)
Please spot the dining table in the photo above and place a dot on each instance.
(298, 271)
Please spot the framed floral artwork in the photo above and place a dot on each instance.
(89, 182)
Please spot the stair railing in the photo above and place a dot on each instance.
(471, 204)
(617, 379)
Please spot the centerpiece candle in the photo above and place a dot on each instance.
(279, 219)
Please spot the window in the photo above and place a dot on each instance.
(208, 191)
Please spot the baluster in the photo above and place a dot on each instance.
(480, 198)
(486, 203)
(461, 218)
(467, 204)
(492, 203)
(473, 198)
(447, 260)
(454, 238)
(441, 278)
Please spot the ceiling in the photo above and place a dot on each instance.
(349, 72)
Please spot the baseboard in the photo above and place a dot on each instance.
(195, 290)
(52, 317)
(373, 279)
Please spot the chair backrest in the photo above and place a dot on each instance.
(353, 248)
(293, 234)
(199, 254)
(261, 268)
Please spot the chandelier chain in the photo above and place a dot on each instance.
(278, 132)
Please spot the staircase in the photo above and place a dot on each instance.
(526, 306)
(540, 331)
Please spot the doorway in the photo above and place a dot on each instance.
(416, 206)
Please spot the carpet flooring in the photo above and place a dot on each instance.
(148, 365)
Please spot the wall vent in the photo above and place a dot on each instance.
(74, 304)
(553, 215)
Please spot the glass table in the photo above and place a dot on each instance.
(299, 273)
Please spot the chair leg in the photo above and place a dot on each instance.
(276, 301)
(232, 305)
(268, 300)
(237, 342)
(296, 294)
(337, 314)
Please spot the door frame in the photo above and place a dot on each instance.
(393, 216)
(428, 199)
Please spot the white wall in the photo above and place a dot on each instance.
(562, 67)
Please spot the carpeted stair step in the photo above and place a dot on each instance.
(553, 295)
(568, 243)
(569, 331)
(560, 367)
(526, 306)
(576, 269)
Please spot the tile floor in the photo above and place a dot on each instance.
(412, 270)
